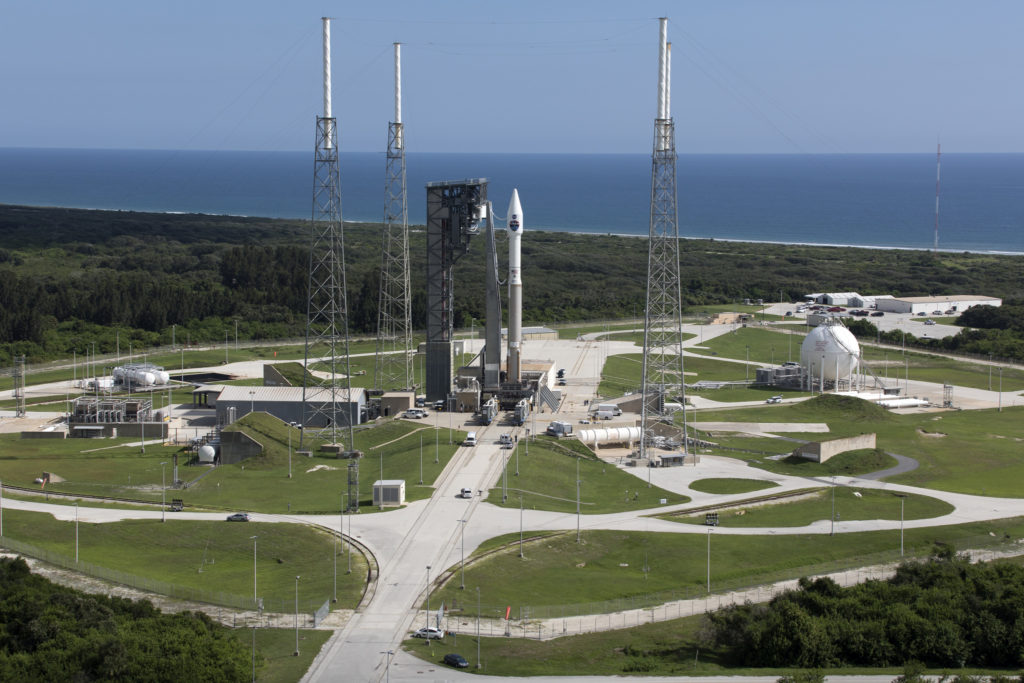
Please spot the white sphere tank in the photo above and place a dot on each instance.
(207, 454)
(830, 349)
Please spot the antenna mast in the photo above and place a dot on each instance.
(327, 405)
(938, 170)
(393, 367)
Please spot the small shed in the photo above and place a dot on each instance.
(395, 402)
(389, 492)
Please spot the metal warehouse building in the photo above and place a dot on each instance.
(285, 403)
(956, 303)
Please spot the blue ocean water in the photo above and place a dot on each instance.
(885, 200)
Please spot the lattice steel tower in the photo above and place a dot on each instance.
(393, 367)
(326, 406)
(663, 334)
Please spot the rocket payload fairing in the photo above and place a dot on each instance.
(515, 286)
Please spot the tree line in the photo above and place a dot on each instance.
(53, 633)
(944, 612)
(71, 277)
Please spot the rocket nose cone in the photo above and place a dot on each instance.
(515, 211)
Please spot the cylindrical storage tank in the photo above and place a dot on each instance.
(207, 453)
(162, 377)
(610, 435)
(830, 349)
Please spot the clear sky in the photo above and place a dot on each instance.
(785, 76)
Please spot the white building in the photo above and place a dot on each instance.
(928, 305)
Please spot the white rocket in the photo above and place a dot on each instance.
(515, 286)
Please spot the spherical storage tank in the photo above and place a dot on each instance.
(832, 349)
(207, 453)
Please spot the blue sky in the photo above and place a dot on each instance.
(748, 76)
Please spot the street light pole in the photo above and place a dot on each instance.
(520, 525)
(76, 532)
(462, 562)
(255, 600)
(478, 627)
(421, 459)
(577, 500)
(387, 675)
(427, 624)
(289, 451)
(833, 531)
(709, 559)
(296, 616)
(902, 499)
(163, 492)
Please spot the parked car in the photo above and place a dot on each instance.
(415, 413)
(929, 321)
(458, 661)
(936, 312)
(429, 632)
(922, 313)
(950, 312)
(505, 440)
(774, 399)
(878, 314)
(238, 517)
(439, 405)
(466, 493)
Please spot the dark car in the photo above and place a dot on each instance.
(458, 661)
(878, 314)
(238, 517)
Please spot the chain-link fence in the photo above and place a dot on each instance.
(551, 621)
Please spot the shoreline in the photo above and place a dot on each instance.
(731, 240)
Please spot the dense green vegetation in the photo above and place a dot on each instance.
(69, 277)
(52, 633)
(945, 612)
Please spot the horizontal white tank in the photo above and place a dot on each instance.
(830, 349)
(902, 403)
(610, 435)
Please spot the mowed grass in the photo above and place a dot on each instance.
(723, 486)
(260, 484)
(557, 573)
(621, 373)
(317, 482)
(766, 345)
(976, 452)
(849, 464)
(275, 651)
(816, 506)
(209, 556)
(547, 481)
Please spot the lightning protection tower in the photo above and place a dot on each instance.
(326, 403)
(663, 353)
(393, 367)
(19, 386)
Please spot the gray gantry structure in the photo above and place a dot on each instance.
(393, 365)
(454, 212)
(663, 354)
(327, 310)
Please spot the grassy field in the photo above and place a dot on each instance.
(736, 394)
(209, 556)
(275, 651)
(766, 345)
(723, 486)
(817, 506)
(547, 481)
(975, 451)
(110, 467)
(574, 331)
(621, 373)
(605, 572)
(668, 648)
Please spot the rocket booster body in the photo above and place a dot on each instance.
(515, 284)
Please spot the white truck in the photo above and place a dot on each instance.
(558, 428)
(608, 408)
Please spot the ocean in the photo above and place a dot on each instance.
(876, 200)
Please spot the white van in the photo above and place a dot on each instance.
(470, 439)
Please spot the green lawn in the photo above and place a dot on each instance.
(275, 651)
(547, 481)
(260, 484)
(723, 486)
(976, 451)
(735, 394)
(817, 506)
(213, 559)
(766, 345)
(605, 572)
(574, 331)
(621, 373)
